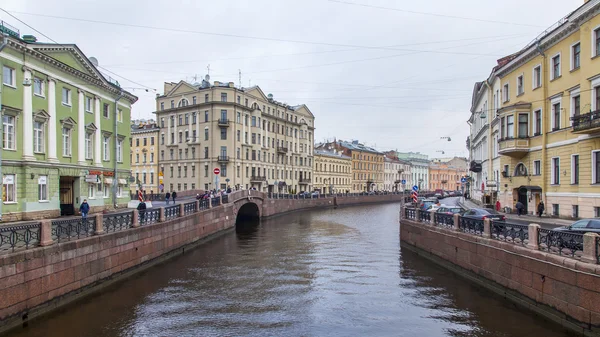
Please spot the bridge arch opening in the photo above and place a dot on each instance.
(248, 218)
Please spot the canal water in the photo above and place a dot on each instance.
(327, 273)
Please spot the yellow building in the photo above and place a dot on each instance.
(144, 156)
(549, 131)
(333, 172)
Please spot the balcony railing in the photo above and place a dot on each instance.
(223, 122)
(282, 149)
(512, 146)
(256, 179)
(223, 159)
(304, 181)
(589, 122)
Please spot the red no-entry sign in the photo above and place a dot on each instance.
(216, 170)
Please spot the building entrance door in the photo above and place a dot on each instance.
(67, 206)
(523, 198)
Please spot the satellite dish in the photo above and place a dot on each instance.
(94, 61)
(207, 78)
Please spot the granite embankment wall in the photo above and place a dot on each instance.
(561, 288)
(37, 280)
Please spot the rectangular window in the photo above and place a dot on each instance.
(194, 102)
(520, 88)
(253, 121)
(38, 86)
(576, 105)
(206, 134)
(596, 37)
(597, 93)
(38, 137)
(88, 145)
(556, 67)
(66, 135)
(43, 188)
(510, 126)
(596, 212)
(120, 151)
(555, 171)
(9, 188)
(66, 96)
(162, 107)
(555, 116)
(575, 56)
(537, 123)
(555, 209)
(205, 171)
(205, 98)
(88, 104)
(224, 115)
(223, 134)
(223, 97)
(537, 77)
(223, 170)
(505, 93)
(105, 110)
(9, 76)
(576, 211)
(120, 115)
(502, 127)
(574, 169)
(537, 168)
(206, 152)
(206, 116)
(523, 125)
(106, 148)
(596, 167)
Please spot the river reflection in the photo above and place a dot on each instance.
(328, 273)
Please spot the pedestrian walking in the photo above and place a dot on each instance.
(173, 196)
(141, 211)
(498, 206)
(520, 207)
(541, 208)
(84, 209)
(167, 196)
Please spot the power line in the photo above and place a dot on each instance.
(434, 14)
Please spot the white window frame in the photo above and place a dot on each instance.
(5, 187)
(557, 100)
(522, 78)
(534, 130)
(505, 92)
(573, 168)
(6, 127)
(512, 129)
(572, 56)
(119, 150)
(89, 145)
(574, 93)
(67, 141)
(13, 77)
(92, 191)
(595, 32)
(594, 172)
(39, 146)
(106, 191)
(106, 148)
(539, 165)
(43, 188)
(120, 115)
(68, 96)
(533, 77)
(552, 169)
(42, 87)
(553, 76)
(518, 122)
(595, 83)
(89, 103)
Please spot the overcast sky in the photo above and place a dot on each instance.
(393, 74)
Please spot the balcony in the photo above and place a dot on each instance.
(586, 123)
(513, 147)
(223, 122)
(281, 149)
(304, 181)
(223, 159)
(258, 179)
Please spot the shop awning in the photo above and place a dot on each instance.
(108, 181)
(531, 188)
(122, 182)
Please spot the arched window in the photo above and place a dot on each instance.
(520, 170)
(183, 102)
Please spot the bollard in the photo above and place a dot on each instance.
(533, 236)
(221, 199)
(197, 205)
(99, 224)
(210, 203)
(136, 219)
(181, 209)
(456, 222)
(46, 233)
(161, 214)
(589, 248)
(432, 217)
(487, 228)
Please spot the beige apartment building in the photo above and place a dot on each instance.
(333, 171)
(249, 138)
(144, 156)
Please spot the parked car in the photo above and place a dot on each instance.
(450, 210)
(315, 194)
(424, 205)
(483, 213)
(304, 194)
(582, 226)
(438, 195)
(433, 207)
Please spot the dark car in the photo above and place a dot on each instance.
(450, 210)
(483, 213)
(582, 226)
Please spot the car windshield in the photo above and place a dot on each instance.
(488, 211)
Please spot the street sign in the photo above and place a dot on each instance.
(161, 187)
(415, 188)
(463, 180)
(403, 181)
(216, 171)
(91, 178)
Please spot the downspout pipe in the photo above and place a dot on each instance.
(547, 111)
(115, 177)
(2, 45)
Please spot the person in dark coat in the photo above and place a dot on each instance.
(520, 207)
(167, 196)
(541, 208)
(84, 208)
(173, 196)
(142, 211)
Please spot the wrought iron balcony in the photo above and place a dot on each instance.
(586, 123)
(223, 122)
(513, 147)
(282, 149)
(304, 181)
(223, 159)
(258, 179)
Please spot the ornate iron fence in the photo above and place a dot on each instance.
(560, 242)
(598, 250)
(65, 230)
(410, 213)
(225, 198)
(20, 236)
(204, 204)
(149, 216)
(189, 208)
(216, 201)
(446, 220)
(425, 216)
(172, 212)
(474, 226)
(508, 232)
(117, 222)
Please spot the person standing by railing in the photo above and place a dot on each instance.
(173, 196)
(142, 211)
(84, 209)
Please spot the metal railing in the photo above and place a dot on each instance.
(586, 121)
(410, 213)
(149, 216)
(20, 236)
(189, 208)
(117, 222)
(225, 198)
(216, 201)
(172, 212)
(474, 226)
(560, 242)
(204, 204)
(508, 232)
(425, 216)
(65, 230)
(598, 250)
(446, 220)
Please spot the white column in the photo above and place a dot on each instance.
(98, 134)
(169, 130)
(190, 119)
(52, 143)
(27, 117)
(197, 140)
(81, 128)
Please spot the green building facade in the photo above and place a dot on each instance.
(64, 127)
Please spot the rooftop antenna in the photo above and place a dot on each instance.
(240, 77)
(208, 69)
